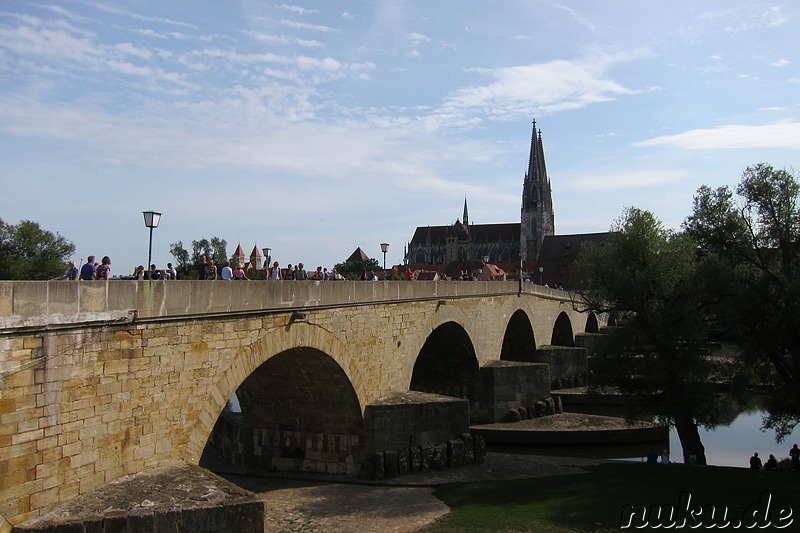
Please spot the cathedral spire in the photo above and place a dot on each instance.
(537, 219)
(465, 219)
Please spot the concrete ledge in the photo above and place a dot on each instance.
(178, 497)
(37, 303)
(571, 429)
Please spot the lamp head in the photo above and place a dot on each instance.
(151, 219)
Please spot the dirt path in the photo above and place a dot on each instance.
(317, 505)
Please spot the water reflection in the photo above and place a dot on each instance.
(731, 444)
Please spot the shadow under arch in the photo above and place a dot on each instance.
(592, 326)
(447, 364)
(519, 342)
(562, 331)
(299, 411)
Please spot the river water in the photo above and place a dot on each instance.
(732, 445)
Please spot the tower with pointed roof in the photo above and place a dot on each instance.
(537, 219)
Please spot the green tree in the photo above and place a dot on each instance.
(215, 249)
(648, 279)
(182, 266)
(754, 244)
(352, 270)
(28, 252)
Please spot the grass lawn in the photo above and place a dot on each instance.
(595, 501)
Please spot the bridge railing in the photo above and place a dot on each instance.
(42, 303)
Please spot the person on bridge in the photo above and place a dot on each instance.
(300, 273)
(227, 272)
(72, 272)
(211, 270)
(238, 273)
(201, 267)
(104, 270)
(88, 271)
(275, 272)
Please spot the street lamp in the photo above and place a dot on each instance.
(384, 249)
(541, 274)
(151, 220)
(267, 257)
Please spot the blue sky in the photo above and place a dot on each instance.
(317, 127)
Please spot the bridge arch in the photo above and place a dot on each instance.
(447, 363)
(519, 341)
(250, 358)
(592, 326)
(562, 331)
(299, 412)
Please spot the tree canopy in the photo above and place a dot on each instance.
(215, 249)
(28, 252)
(753, 241)
(648, 279)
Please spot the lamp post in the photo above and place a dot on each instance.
(151, 220)
(541, 275)
(384, 249)
(267, 257)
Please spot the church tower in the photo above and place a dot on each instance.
(537, 219)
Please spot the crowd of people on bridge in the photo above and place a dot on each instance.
(206, 269)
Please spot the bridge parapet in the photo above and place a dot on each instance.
(36, 303)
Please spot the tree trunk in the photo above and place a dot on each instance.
(690, 440)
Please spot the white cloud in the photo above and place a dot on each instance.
(778, 135)
(541, 88)
(125, 13)
(580, 19)
(304, 26)
(297, 9)
(283, 39)
(780, 63)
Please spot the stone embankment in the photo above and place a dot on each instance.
(387, 464)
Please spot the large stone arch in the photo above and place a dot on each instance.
(519, 341)
(248, 358)
(447, 363)
(563, 334)
(299, 412)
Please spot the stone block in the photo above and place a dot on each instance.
(403, 461)
(426, 457)
(550, 406)
(469, 448)
(480, 449)
(414, 460)
(540, 408)
(439, 458)
(391, 467)
(455, 453)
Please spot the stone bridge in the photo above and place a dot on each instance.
(103, 379)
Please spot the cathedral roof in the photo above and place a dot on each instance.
(239, 252)
(256, 252)
(478, 233)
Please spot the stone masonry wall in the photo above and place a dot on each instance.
(84, 404)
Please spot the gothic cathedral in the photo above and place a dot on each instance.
(500, 243)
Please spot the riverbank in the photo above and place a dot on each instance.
(313, 503)
(515, 493)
